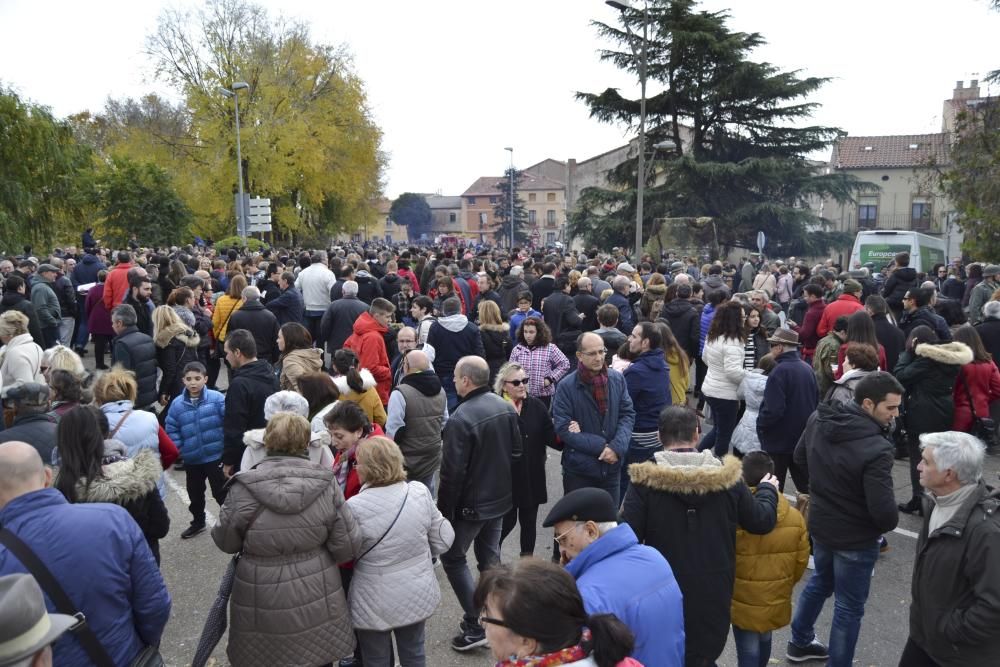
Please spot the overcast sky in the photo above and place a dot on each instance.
(452, 82)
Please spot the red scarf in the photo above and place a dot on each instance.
(563, 657)
(598, 384)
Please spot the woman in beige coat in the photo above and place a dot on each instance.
(298, 356)
(20, 356)
(289, 519)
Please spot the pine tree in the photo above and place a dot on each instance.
(501, 211)
(735, 144)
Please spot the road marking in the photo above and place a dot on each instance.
(210, 519)
(901, 531)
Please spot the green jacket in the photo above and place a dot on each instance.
(981, 293)
(823, 360)
(46, 304)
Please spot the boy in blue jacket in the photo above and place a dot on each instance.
(194, 423)
(519, 314)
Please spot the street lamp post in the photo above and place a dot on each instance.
(511, 149)
(623, 6)
(241, 220)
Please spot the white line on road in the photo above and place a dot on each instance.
(901, 531)
(182, 494)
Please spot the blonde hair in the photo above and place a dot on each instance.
(13, 323)
(505, 370)
(489, 312)
(118, 384)
(573, 277)
(382, 460)
(165, 317)
(287, 432)
(61, 357)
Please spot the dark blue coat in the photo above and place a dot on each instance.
(790, 397)
(122, 593)
(287, 306)
(648, 380)
(197, 429)
(617, 575)
(574, 401)
(86, 270)
(707, 313)
(626, 316)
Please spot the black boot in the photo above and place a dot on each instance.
(912, 507)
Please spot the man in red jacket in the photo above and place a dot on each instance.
(808, 329)
(847, 303)
(116, 284)
(368, 342)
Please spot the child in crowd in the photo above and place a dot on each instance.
(518, 315)
(194, 423)
(767, 568)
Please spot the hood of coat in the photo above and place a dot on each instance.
(695, 473)
(714, 281)
(179, 331)
(510, 282)
(11, 298)
(367, 324)
(677, 307)
(259, 371)
(846, 422)
(308, 356)
(454, 323)
(366, 378)
(391, 278)
(254, 439)
(363, 276)
(115, 448)
(953, 354)
(285, 484)
(502, 327)
(125, 480)
(905, 274)
(852, 377)
(19, 340)
(426, 382)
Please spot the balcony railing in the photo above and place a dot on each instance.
(927, 224)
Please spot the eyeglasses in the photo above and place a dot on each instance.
(561, 538)
(517, 383)
(593, 353)
(491, 621)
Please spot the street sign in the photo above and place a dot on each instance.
(760, 242)
(258, 215)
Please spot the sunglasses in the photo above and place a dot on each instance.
(516, 383)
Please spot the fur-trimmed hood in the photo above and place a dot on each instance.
(123, 481)
(697, 473)
(502, 327)
(366, 377)
(179, 331)
(953, 354)
(254, 439)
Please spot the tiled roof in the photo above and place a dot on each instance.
(443, 201)
(487, 185)
(894, 151)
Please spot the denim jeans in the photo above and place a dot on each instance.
(448, 384)
(753, 649)
(485, 536)
(376, 646)
(724, 413)
(634, 455)
(847, 575)
(312, 319)
(430, 482)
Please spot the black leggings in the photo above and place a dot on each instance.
(528, 517)
(102, 344)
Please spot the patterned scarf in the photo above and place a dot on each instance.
(563, 657)
(598, 384)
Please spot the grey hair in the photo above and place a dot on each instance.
(958, 451)
(251, 293)
(505, 370)
(991, 309)
(124, 314)
(286, 401)
(516, 270)
(621, 283)
(350, 288)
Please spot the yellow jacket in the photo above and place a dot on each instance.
(368, 399)
(767, 568)
(680, 378)
(225, 306)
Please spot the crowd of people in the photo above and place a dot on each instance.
(364, 414)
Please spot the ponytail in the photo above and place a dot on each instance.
(346, 363)
(610, 640)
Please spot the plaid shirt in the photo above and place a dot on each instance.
(402, 303)
(542, 362)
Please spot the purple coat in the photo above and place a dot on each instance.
(98, 317)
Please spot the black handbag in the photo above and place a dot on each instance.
(983, 428)
(148, 657)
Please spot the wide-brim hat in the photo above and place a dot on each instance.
(25, 625)
(784, 337)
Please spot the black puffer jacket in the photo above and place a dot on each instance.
(528, 472)
(685, 323)
(956, 584)
(249, 387)
(929, 379)
(849, 461)
(510, 287)
(176, 346)
(137, 352)
(260, 322)
(896, 285)
(496, 345)
(481, 440)
(687, 505)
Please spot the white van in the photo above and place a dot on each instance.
(880, 247)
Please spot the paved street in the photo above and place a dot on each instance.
(192, 569)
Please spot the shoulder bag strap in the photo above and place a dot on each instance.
(82, 631)
(115, 432)
(235, 307)
(968, 394)
(379, 541)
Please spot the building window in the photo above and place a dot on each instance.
(452, 217)
(482, 220)
(550, 196)
(531, 196)
(388, 238)
(356, 238)
(493, 200)
(471, 200)
(550, 217)
(920, 213)
(550, 238)
(867, 214)
(388, 222)
(531, 217)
